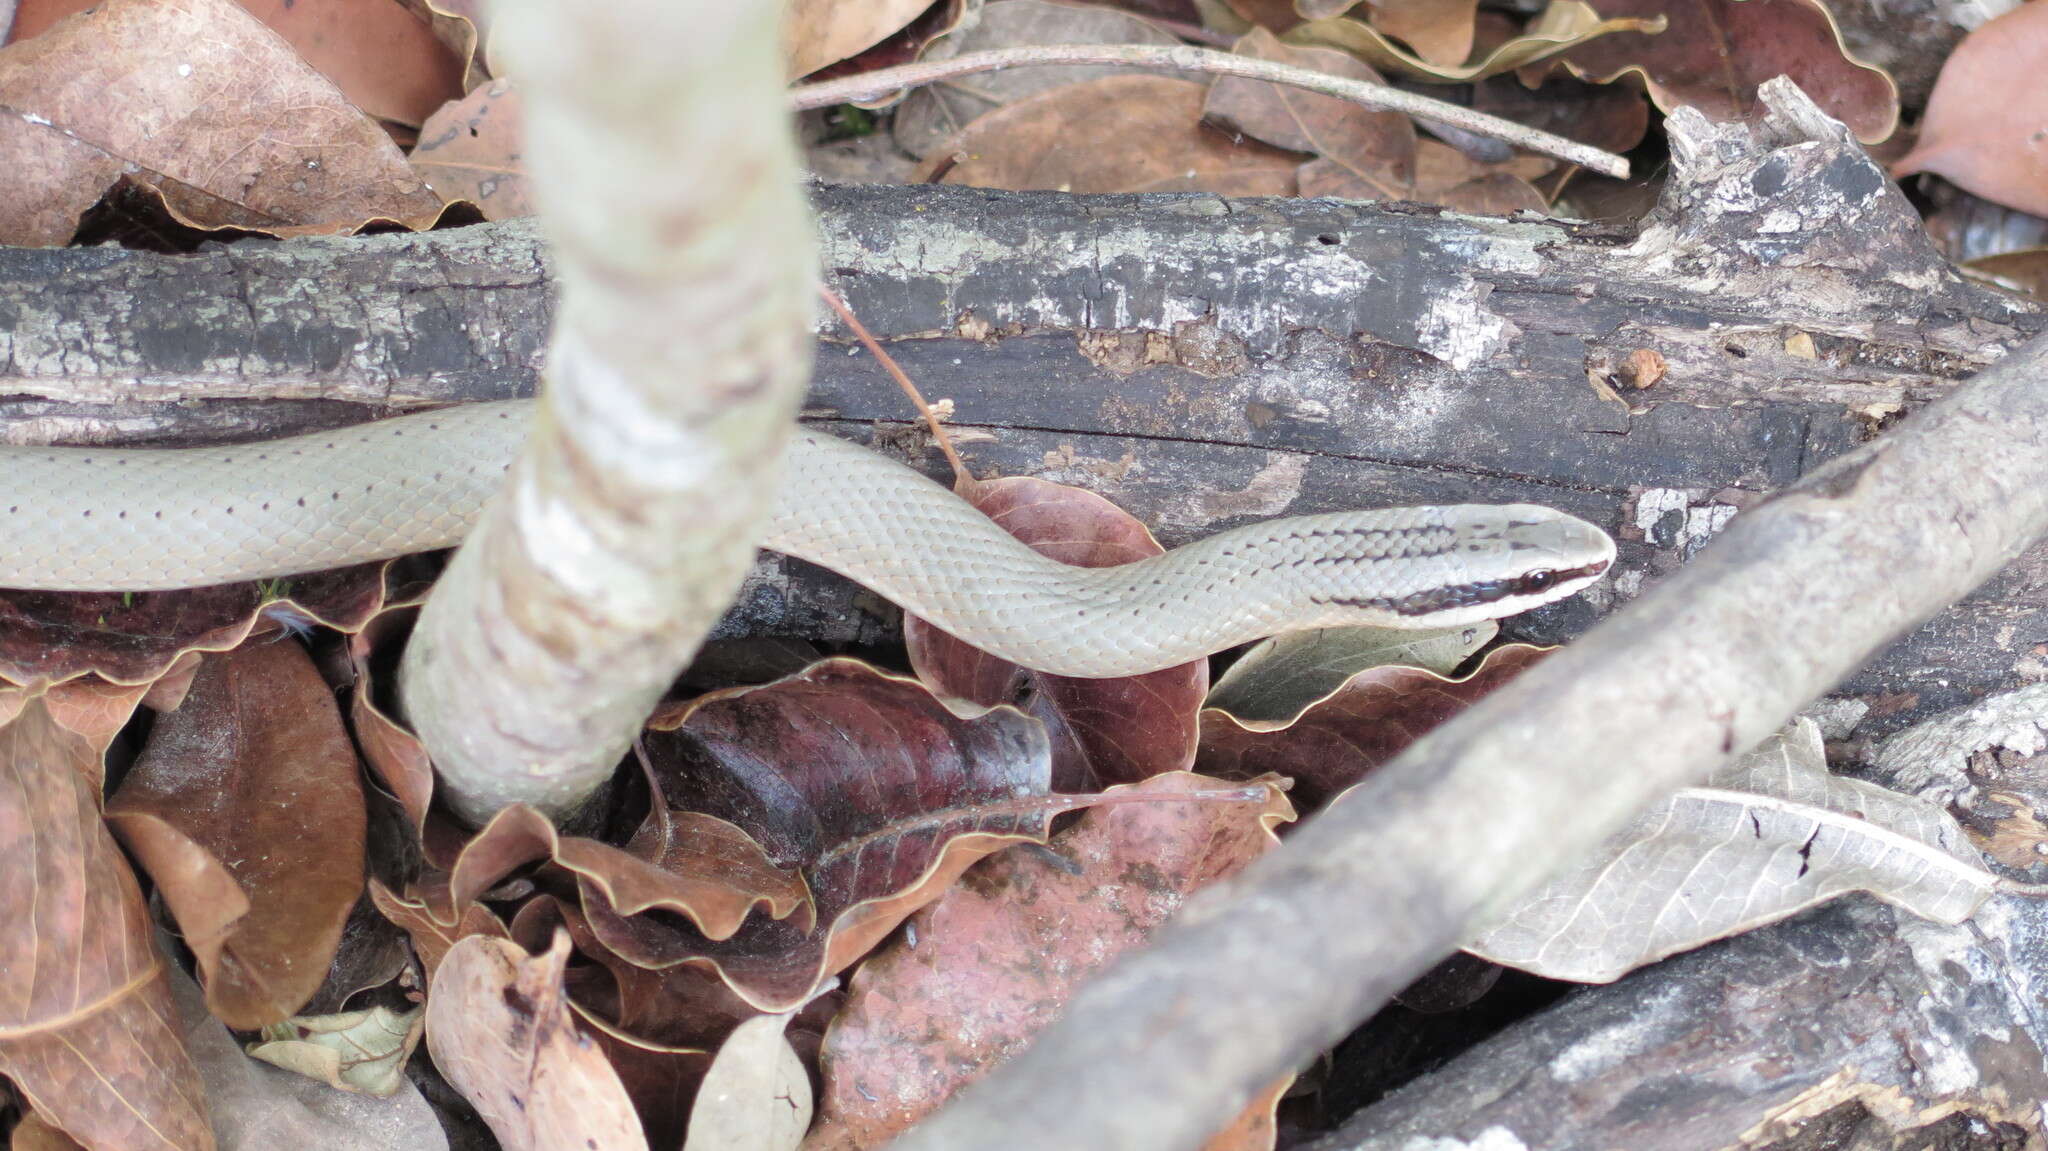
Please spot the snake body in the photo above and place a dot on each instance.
(93, 519)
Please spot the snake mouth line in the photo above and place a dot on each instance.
(1474, 594)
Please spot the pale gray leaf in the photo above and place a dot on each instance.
(1770, 835)
(934, 114)
(1279, 678)
(757, 1094)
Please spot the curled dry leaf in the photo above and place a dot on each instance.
(1982, 130)
(246, 809)
(878, 792)
(361, 1051)
(190, 100)
(1103, 731)
(821, 32)
(90, 706)
(980, 972)
(134, 638)
(464, 29)
(473, 150)
(1770, 835)
(1276, 679)
(428, 914)
(1560, 26)
(1117, 134)
(1326, 745)
(88, 1032)
(931, 116)
(1713, 54)
(757, 1095)
(500, 1029)
(1374, 149)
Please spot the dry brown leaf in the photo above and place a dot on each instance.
(384, 58)
(428, 915)
(500, 1029)
(821, 32)
(1439, 31)
(932, 115)
(980, 972)
(1117, 134)
(1332, 742)
(90, 706)
(1103, 731)
(246, 808)
(1712, 55)
(200, 102)
(1375, 151)
(879, 792)
(472, 150)
(1560, 26)
(1982, 130)
(136, 638)
(464, 28)
(88, 1032)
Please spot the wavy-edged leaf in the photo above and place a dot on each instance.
(1770, 835)
(1103, 731)
(189, 100)
(1563, 25)
(1277, 679)
(1333, 742)
(1712, 55)
(821, 32)
(88, 1031)
(500, 1029)
(428, 914)
(872, 787)
(980, 972)
(246, 808)
(932, 115)
(135, 637)
(1132, 133)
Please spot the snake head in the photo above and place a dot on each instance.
(1506, 559)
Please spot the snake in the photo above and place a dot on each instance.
(153, 519)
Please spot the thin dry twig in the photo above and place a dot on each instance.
(884, 81)
(963, 480)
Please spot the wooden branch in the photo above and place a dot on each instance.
(1263, 971)
(674, 371)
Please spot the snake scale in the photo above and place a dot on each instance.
(94, 519)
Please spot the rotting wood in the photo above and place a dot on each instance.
(1200, 361)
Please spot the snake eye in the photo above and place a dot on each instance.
(1538, 580)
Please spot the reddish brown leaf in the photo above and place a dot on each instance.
(1116, 134)
(1103, 731)
(472, 150)
(500, 1029)
(91, 1038)
(1368, 721)
(463, 27)
(246, 808)
(1982, 130)
(1374, 149)
(983, 970)
(867, 783)
(1713, 53)
(200, 102)
(133, 638)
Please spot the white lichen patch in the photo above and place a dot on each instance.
(1695, 525)
(1495, 1138)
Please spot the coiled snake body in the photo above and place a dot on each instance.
(92, 519)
